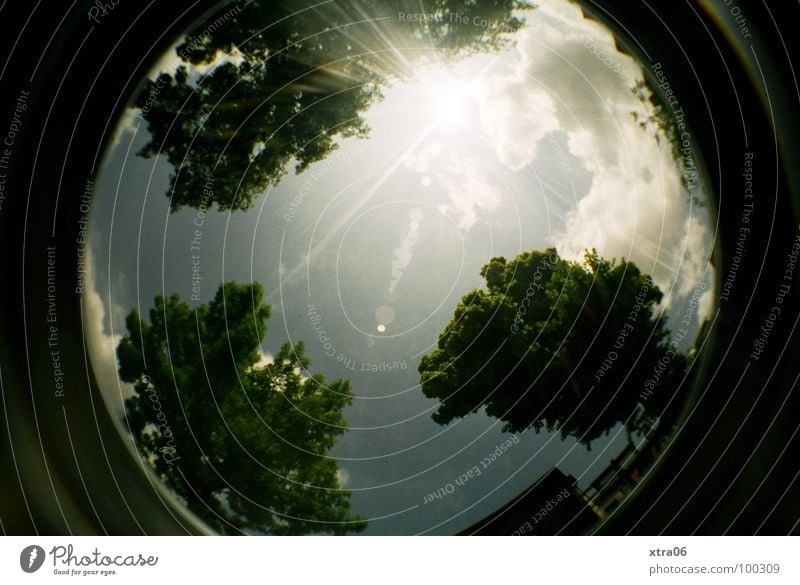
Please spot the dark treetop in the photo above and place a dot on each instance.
(244, 443)
(288, 81)
(557, 345)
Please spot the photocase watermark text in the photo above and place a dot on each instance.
(534, 285)
(540, 515)
(744, 227)
(168, 452)
(7, 146)
(455, 19)
(350, 363)
(682, 135)
(100, 10)
(473, 472)
(627, 329)
(785, 286)
(197, 237)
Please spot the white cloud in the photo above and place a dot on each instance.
(264, 359)
(705, 305)
(102, 346)
(516, 131)
(470, 192)
(568, 77)
(128, 125)
(343, 476)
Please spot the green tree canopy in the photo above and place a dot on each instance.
(558, 345)
(243, 442)
(287, 80)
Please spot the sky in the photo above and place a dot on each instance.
(375, 245)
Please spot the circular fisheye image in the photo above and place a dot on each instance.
(400, 268)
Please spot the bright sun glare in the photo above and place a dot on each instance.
(443, 96)
(449, 107)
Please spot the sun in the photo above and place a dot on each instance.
(450, 107)
(443, 96)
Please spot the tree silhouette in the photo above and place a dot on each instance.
(242, 441)
(557, 345)
(285, 82)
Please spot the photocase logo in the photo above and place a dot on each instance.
(31, 558)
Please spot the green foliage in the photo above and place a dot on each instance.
(286, 82)
(244, 444)
(531, 348)
(662, 122)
